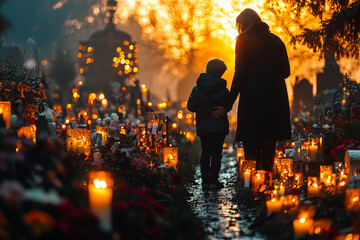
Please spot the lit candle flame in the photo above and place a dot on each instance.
(100, 184)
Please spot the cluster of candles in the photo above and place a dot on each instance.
(304, 222)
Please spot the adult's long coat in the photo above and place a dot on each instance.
(261, 66)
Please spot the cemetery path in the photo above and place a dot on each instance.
(217, 208)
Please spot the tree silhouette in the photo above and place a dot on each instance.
(63, 71)
(338, 31)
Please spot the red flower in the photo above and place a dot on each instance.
(348, 141)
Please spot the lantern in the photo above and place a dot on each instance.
(277, 165)
(277, 162)
(326, 174)
(350, 236)
(286, 168)
(303, 226)
(298, 179)
(247, 167)
(100, 184)
(275, 204)
(352, 163)
(240, 155)
(103, 131)
(28, 132)
(153, 122)
(291, 203)
(322, 226)
(315, 149)
(5, 112)
(304, 223)
(171, 156)
(352, 199)
(304, 150)
(79, 140)
(260, 179)
(313, 187)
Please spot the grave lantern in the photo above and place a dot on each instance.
(352, 163)
(298, 179)
(171, 156)
(291, 202)
(352, 199)
(326, 174)
(79, 140)
(275, 204)
(302, 226)
(247, 167)
(313, 187)
(315, 148)
(322, 226)
(286, 165)
(153, 122)
(277, 165)
(103, 131)
(100, 184)
(260, 179)
(5, 112)
(240, 155)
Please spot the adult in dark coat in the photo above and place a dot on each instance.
(210, 91)
(261, 66)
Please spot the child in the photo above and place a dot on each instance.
(210, 91)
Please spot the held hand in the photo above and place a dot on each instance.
(219, 111)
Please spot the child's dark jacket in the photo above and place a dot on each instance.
(210, 91)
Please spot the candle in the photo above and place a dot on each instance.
(240, 154)
(100, 197)
(312, 152)
(302, 226)
(321, 226)
(298, 179)
(247, 179)
(352, 199)
(281, 189)
(248, 166)
(313, 187)
(103, 131)
(274, 205)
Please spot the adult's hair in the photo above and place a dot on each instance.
(246, 20)
(216, 67)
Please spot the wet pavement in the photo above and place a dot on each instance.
(218, 209)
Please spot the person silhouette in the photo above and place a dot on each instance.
(261, 67)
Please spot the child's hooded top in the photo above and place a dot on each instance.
(210, 91)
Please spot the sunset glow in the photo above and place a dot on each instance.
(194, 31)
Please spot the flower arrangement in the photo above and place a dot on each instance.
(18, 83)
